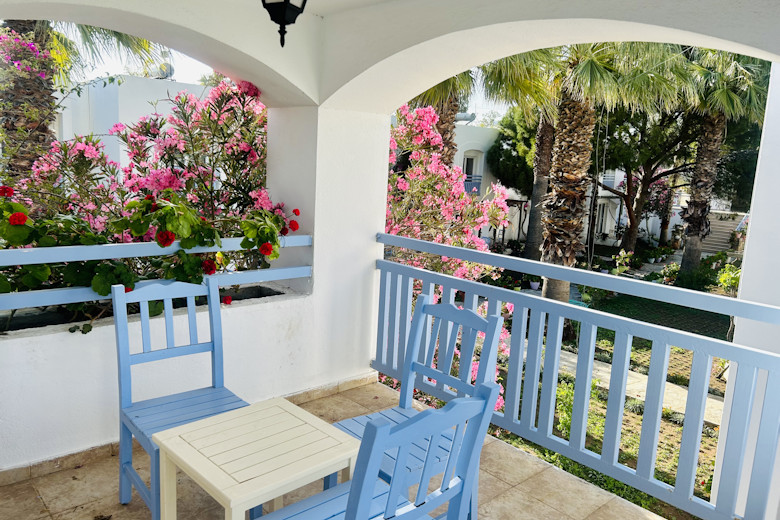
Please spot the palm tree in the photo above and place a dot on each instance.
(731, 87)
(29, 103)
(636, 75)
(526, 81)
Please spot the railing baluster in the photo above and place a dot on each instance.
(405, 317)
(552, 356)
(395, 310)
(613, 424)
(515, 373)
(579, 413)
(532, 366)
(691, 435)
(766, 449)
(654, 403)
(739, 420)
(382, 344)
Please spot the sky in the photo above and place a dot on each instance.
(189, 70)
(185, 69)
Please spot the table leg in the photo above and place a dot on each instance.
(167, 487)
(234, 514)
(346, 473)
(276, 504)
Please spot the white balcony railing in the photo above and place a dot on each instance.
(534, 357)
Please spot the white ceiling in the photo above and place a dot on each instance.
(330, 7)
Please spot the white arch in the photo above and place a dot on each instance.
(393, 80)
(236, 37)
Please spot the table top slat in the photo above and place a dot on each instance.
(237, 437)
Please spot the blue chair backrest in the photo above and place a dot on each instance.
(437, 331)
(165, 291)
(470, 416)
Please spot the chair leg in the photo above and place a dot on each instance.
(256, 512)
(125, 458)
(330, 481)
(154, 483)
(474, 503)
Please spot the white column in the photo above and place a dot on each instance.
(332, 165)
(760, 282)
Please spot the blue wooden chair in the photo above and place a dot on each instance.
(428, 366)
(141, 419)
(463, 422)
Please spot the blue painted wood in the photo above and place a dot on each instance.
(579, 415)
(691, 435)
(659, 335)
(552, 354)
(383, 321)
(739, 420)
(515, 372)
(46, 255)
(653, 291)
(532, 369)
(651, 418)
(142, 419)
(405, 286)
(445, 319)
(613, 424)
(395, 311)
(63, 296)
(367, 496)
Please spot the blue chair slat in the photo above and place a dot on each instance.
(367, 496)
(144, 418)
(432, 337)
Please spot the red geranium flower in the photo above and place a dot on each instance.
(154, 207)
(165, 238)
(227, 300)
(284, 231)
(294, 225)
(6, 191)
(149, 197)
(266, 249)
(209, 266)
(296, 212)
(128, 289)
(17, 219)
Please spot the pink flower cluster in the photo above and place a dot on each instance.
(24, 55)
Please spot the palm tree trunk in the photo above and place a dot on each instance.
(564, 207)
(447, 111)
(29, 108)
(702, 182)
(545, 136)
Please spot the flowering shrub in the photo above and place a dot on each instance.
(426, 200)
(192, 176)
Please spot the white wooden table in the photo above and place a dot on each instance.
(249, 456)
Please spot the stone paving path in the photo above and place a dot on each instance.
(675, 396)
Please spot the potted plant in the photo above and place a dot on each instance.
(533, 281)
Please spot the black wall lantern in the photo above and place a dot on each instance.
(284, 13)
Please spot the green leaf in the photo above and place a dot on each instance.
(156, 308)
(101, 284)
(73, 329)
(15, 235)
(47, 241)
(40, 271)
(86, 328)
(139, 227)
(5, 285)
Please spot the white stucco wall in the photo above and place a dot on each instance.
(59, 391)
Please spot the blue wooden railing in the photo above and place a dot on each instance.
(534, 357)
(61, 296)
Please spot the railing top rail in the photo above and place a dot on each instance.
(45, 255)
(651, 291)
(712, 346)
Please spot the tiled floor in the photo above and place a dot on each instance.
(513, 485)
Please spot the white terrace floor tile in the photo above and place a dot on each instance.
(513, 485)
